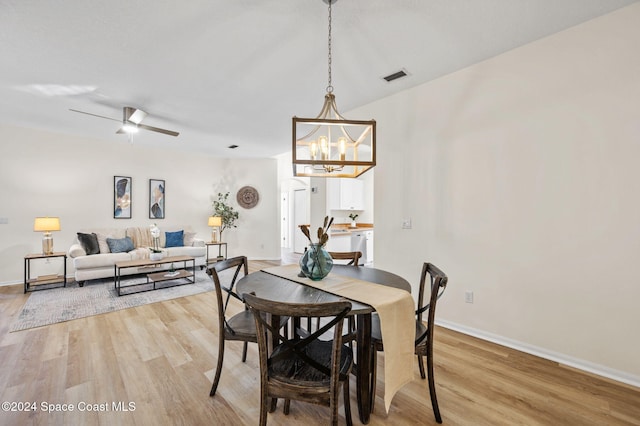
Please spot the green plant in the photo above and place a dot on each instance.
(225, 211)
(323, 235)
(353, 216)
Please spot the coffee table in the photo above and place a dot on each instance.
(183, 273)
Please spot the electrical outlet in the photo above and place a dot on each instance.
(468, 296)
(406, 223)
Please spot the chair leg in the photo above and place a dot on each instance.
(347, 402)
(374, 379)
(216, 379)
(244, 352)
(263, 410)
(274, 403)
(432, 390)
(287, 405)
(421, 367)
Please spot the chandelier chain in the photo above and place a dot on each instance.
(329, 87)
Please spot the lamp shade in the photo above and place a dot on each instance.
(46, 224)
(215, 221)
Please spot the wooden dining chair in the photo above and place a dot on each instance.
(239, 327)
(302, 368)
(424, 332)
(352, 256)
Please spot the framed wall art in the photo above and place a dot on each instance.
(156, 198)
(121, 197)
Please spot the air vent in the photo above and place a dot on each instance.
(233, 146)
(396, 75)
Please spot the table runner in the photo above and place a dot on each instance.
(395, 307)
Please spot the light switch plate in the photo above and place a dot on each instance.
(406, 223)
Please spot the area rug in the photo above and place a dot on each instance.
(61, 304)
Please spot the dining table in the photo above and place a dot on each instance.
(283, 284)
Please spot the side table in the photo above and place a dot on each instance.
(43, 279)
(209, 260)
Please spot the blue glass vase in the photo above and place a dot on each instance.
(316, 263)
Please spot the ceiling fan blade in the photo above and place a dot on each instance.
(133, 115)
(156, 129)
(95, 115)
(121, 130)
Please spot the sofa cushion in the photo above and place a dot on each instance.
(189, 238)
(186, 251)
(121, 245)
(102, 261)
(174, 239)
(89, 243)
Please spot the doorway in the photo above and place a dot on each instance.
(300, 217)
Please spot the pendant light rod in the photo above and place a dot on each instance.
(324, 146)
(329, 86)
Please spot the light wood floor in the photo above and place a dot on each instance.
(160, 358)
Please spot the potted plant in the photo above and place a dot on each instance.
(316, 263)
(156, 252)
(353, 217)
(225, 211)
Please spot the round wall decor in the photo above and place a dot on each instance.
(247, 197)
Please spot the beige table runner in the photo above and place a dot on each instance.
(395, 307)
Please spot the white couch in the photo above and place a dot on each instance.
(101, 265)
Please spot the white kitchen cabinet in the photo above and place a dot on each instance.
(345, 194)
(339, 243)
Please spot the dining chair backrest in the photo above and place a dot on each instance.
(225, 285)
(295, 368)
(352, 256)
(438, 283)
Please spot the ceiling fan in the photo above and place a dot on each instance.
(131, 121)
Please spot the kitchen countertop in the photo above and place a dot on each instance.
(346, 229)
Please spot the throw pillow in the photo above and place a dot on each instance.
(102, 242)
(189, 237)
(174, 239)
(121, 245)
(89, 243)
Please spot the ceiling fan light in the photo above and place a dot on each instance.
(130, 128)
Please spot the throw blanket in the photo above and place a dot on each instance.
(141, 237)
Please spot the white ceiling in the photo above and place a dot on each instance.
(236, 71)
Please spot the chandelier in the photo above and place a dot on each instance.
(329, 145)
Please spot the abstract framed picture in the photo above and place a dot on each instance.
(156, 198)
(121, 197)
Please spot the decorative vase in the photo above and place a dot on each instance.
(155, 256)
(316, 263)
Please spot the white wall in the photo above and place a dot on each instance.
(521, 178)
(47, 174)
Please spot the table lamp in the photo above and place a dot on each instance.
(214, 222)
(46, 225)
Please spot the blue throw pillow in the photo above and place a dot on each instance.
(174, 239)
(122, 245)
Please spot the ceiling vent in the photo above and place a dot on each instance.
(232, 146)
(396, 75)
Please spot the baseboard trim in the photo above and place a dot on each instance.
(580, 364)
